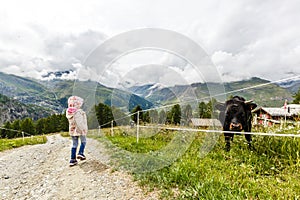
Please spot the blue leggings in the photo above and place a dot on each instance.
(75, 145)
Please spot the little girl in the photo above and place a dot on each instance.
(77, 127)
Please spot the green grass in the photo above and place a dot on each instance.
(65, 134)
(145, 145)
(6, 144)
(271, 171)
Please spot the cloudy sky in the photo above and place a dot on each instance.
(243, 39)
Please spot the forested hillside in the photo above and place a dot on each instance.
(11, 110)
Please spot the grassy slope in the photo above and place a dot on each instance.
(27, 86)
(6, 144)
(272, 171)
(265, 95)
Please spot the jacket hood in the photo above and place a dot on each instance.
(75, 101)
(74, 104)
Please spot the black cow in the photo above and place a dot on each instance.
(236, 115)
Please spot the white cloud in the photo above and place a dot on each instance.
(243, 38)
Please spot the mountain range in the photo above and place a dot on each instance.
(52, 96)
(38, 98)
(292, 85)
(263, 92)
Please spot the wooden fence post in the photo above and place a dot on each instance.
(112, 128)
(138, 127)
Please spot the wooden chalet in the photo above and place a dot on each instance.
(268, 116)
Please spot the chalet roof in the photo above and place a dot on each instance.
(205, 122)
(279, 111)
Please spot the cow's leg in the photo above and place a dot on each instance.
(228, 137)
(249, 138)
(227, 141)
(249, 141)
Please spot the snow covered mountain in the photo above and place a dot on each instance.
(292, 85)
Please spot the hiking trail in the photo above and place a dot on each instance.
(42, 172)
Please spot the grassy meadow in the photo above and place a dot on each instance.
(171, 162)
(271, 171)
(6, 144)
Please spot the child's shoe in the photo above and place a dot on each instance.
(81, 157)
(73, 162)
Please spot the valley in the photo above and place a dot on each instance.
(25, 97)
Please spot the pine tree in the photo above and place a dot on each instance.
(104, 114)
(54, 123)
(5, 132)
(27, 126)
(169, 117)
(146, 117)
(135, 114)
(16, 125)
(176, 114)
(297, 97)
(206, 109)
(202, 110)
(40, 126)
(64, 123)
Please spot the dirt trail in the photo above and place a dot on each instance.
(42, 172)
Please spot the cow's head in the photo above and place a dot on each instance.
(236, 114)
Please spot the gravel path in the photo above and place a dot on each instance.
(42, 172)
